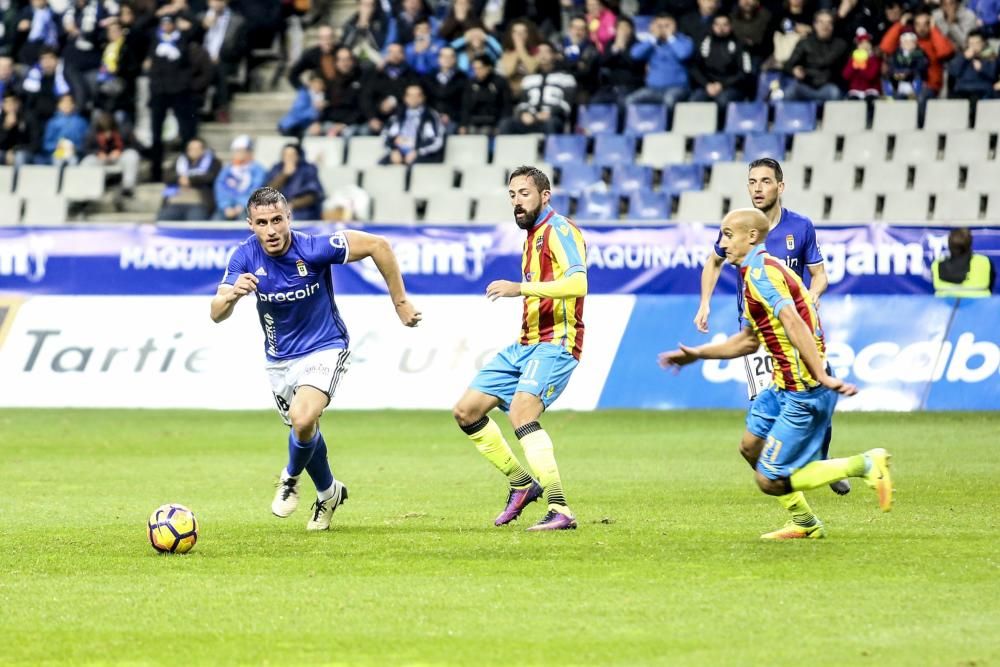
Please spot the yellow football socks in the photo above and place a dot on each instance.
(799, 508)
(821, 473)
(490, 442)
(538, 451)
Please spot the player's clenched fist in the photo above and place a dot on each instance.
(246, 283)
(408, 313)
(499, 288)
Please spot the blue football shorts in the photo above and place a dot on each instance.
(542, 369)
(794, 424)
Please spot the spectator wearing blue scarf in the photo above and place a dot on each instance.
(299, 182)
(237, 180)
(43, 85)
(38, 26)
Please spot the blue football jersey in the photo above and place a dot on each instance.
(294, 294)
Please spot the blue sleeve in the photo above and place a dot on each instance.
(332, 249)
(641, 51)
(776, 296)
(570, 248)
(682, 46)
(219, 188)
(811, 247)
(236, 267)
(718, 249)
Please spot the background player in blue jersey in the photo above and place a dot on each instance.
(305, 339)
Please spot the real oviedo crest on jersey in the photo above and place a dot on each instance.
(301, 268)
(790, 242)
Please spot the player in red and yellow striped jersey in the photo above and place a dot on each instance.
(795, 411)
(527, 376)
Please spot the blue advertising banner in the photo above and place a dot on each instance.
(150, 260)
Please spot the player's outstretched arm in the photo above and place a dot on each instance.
(709, 279)
(818, 281)
(737, 345)
(569, 287)
(803, 340)
(227, 295)
(362, 245)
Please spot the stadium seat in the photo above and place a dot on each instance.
(988, 115)
(576, 178)
(324, 151)
(645, 205)
(805, 202)
(267, 149)
(957, 206)
(595, 119)
(11, 206)
(83, 183)
(560, 202)
(865, 148)
(37, 181)
(493, 210)
(426, 179)
(598, 206)
(365, 151)
(905, 207)
(6, 180)
(946, 115)
(844, 117)
(682, 178)
(746, 117)
(814, 147)
(794, 117)
(967, 146)
(756, 146)
(853, 207)
(337, 177)
(886, 177)
(510, 150)
(395, 208)
(983, 177)
(699, 207)
(564, 148)
(894, 115)
(44, 210)
(449, 208)
(642, 23)
(484, 179)
(915, 147)
(933, 176)
(645, 118)
(832, 177)
(709, 148)
(993, 207)
(612, 149)
(384, 179)
(692, 118)
(660, 148)
(467, 149)
(629, 178)
(726, 175)
(794, 175)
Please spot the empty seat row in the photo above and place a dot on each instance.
(45, 210)
(75, 183)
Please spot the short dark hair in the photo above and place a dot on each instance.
(483, 60)
(770, 163)
(266, 196)
(959, 242)
(976, 32)
(534, 174)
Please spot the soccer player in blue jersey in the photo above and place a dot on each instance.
(781, 317)
(305, 339)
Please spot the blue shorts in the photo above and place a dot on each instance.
(795, 424)
(542, 369)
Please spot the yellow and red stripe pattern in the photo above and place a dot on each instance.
(769, 286)
(554, 249)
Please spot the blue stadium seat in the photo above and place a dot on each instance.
(612, 149)
(645, 118)
(629, 178)
(792, 117)
(683, 177)
(598, 118)
(745, 117)
(645, 205)
(576, 177)
(563, 148)
(642, 23)
(598, 206)
(764, 145)
(560, 203)
(709, 148)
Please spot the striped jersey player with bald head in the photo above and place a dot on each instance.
(526, 377)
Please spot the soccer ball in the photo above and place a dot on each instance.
(172, 529)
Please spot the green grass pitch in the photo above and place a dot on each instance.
(666, 567)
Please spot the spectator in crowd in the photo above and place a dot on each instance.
(461, 18)
(298, 180)
(546, 14)
(666, 55)
(383, 94)
(307, 108)
(892, 13)
(344, 115)
(486, 101)
(225, 41)
(720, 70)
(815, 62)
(987, 15)
(369, 31)
(202, 75)
(42, 87)
(9, 11)
(446, 88)
(954, 21)
(416, 133)
(82, 25)
(619, 75)
(520, 43)
(974, 70)
(319, 58)
(13, 131)
(794, 22)
(108, 146)
(698, 22)
(907, 68)
(8, 76)
(188, 195)
(580, 56)
(421, 53)
(238, 180)
(863, 70)
(931, 41)
(65, 134)
(849, 15)
(600, 23)
(476, 42)
(38, 29)
(752, 26)
(108, 84)
(547, 98)
(672, 7)
(963, 273)
(411, 12)
(138, 29)
(171, 87)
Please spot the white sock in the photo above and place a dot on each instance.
(285, 475)
(327, 494)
